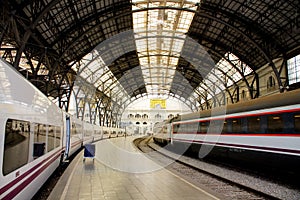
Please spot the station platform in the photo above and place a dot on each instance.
(120, 171)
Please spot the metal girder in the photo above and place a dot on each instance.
(239, 25)
(94, 104)
(238, 70)
(29, 30)
(22, 41)
(82, 35)
(205, 15)
(109, 87)
(252, 26)
(264, 53)
(264, 36)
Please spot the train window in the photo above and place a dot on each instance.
(51, 138)
(176, 128)
(181, 128)
(253, 124)
(203, 127)
(215, 126)
(225, 126)
(16, 145)
(40, 131)
(57, 136)
(236, 125)
(74, 129)
(297, 122)
(275, 124)
(192, 127)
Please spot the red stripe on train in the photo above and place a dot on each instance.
(15, 181)
(190, 121)
(243, 134)
(241, 146)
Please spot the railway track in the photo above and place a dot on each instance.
(221, 186)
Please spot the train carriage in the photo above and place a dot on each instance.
(265, 129)
(35, 135)
(31, 136)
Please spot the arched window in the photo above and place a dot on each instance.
(130, 116)
(170, 116)
(271, 82)
(157, 116)
(137, 116)
(145, 116)
(243, 95)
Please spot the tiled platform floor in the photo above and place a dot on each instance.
(103, 179)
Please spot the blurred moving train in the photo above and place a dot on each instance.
(35, 135)
(266, 129)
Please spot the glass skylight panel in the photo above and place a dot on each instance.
(153, 60)
(152, 44)
(160, 27)
(216, 81)
(144, 61)
(225, 66)
(242, 66)
(93, 70)
(138, 1)
(235, 76)
(173, 61)
(86, 73)
(164, 60)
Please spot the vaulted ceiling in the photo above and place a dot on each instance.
(143, 47)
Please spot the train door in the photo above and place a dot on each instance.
(68, 133)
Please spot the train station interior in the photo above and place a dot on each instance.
(102, 56)
(131, 64)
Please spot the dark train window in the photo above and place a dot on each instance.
(40, 137)
(16, 145)
(192, 127)
(297, 122)
(74, 129)
(253, 124)
(181, 128)
(216, 126)
(275, 124)
(236, 125)
(225, 126)
(203, 127)
(175, 128)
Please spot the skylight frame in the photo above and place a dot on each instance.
(156, 31)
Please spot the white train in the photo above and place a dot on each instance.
(35, 135)
(265, 129)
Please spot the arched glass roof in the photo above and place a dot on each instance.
(159, 37)
(171, 48)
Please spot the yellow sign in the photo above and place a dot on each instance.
(160, 102)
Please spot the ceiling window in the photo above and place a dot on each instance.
(160, 35)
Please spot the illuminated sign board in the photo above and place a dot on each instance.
(160, 102)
